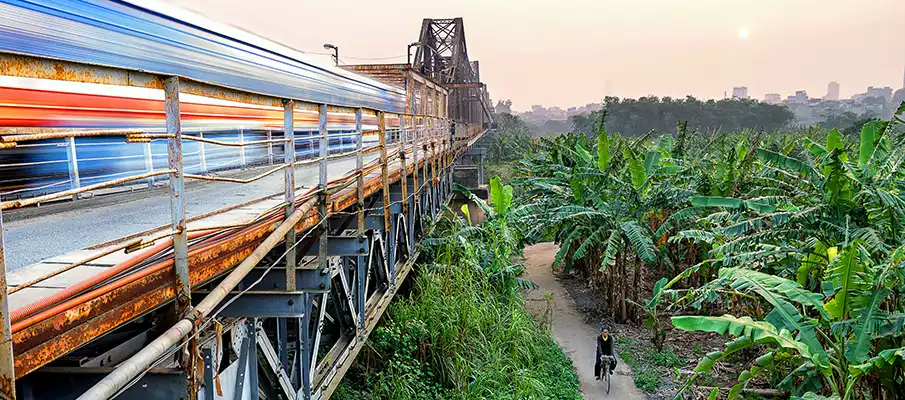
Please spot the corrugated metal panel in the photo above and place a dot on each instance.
(123, 35)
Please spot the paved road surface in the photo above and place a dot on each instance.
(574, 335)
(33, 235)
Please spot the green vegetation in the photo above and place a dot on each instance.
(505, 145)
(788, 243)
(464, 332)
(634, 117)
(649, 367)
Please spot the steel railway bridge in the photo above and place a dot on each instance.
(182, 291)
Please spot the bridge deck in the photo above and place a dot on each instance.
(34, 235)
(90, 315)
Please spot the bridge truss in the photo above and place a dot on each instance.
(272, 298)
(442, 55)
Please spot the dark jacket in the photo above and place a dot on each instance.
(605, 346)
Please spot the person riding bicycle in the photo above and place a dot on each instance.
(604, 348)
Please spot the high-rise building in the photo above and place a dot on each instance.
(740, 93)
(884, 93)
(832, 91)
(772, 98)
(801, 96)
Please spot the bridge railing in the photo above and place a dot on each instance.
(423, 137)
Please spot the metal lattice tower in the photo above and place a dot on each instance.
(443, 56)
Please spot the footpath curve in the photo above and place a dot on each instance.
(572, 333)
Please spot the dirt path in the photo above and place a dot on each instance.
(574, 335)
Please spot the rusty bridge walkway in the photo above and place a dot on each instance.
(263, 282)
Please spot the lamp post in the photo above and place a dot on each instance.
(408, 52)
(335, 49)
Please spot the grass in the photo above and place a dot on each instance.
(461, 337)
(464, 332)
(505, 171)
(650, 369)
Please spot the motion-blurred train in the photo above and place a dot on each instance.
(35, 97)
(38, 105)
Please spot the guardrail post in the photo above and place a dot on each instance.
(177, 195)
(242, 148)
(309, 353)
(149, 163)
(73, 162)
(404, 177)
(289, 185)
(269, 148)
(177, 212)
(453, 151)
(201, 155)
(433, 189)
(361, 269)
(385, 181)
(7, 360)
(323, 145)
(415, 131)
(426, 135)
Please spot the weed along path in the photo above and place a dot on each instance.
(569, 328)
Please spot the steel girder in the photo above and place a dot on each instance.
(306, 339)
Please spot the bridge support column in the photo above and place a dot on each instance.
(304, 351)
(385, 181)
(7, 370)
(391, 246)
(177, 195)
(324, 198)
(289, 187)
(177, 212)
(416, 130)
(481, 180)
(360, 269)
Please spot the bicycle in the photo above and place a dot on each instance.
(605, 362)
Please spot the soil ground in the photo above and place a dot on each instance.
(573, 334)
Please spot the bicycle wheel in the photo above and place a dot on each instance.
(607, 372)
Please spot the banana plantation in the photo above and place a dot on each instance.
(788, 244)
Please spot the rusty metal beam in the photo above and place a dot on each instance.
(50, 339)
(7, 371)
(473, 85)
(177, 196)
(384, 170)
(289, 186)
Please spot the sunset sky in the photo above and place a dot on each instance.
(572, 52)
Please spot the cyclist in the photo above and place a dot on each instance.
(604, 348)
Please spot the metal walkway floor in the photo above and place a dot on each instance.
(34, 237)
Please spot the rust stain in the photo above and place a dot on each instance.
(54, 337)
(7, 387)
(65, 342)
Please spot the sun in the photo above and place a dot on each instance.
(743, 34)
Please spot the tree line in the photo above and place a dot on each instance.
(635, 117)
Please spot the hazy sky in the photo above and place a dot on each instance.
(572, 52)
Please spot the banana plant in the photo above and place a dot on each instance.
(837, 334)
(493, 242)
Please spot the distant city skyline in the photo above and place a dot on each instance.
(741, 92)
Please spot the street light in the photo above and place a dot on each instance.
(408, 52)
(335, 49)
